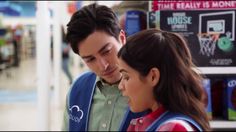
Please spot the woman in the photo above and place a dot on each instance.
(157, 75)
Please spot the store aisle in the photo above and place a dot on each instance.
(18, 99)
(19, 78)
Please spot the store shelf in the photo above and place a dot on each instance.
(220, 124)
(217, 70)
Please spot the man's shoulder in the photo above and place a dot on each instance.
(85, 75)
(84, 80)
(83, 85)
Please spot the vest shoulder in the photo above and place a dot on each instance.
(84, 75)
(83, 80)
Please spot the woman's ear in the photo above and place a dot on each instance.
(154, 76)
(122, 37)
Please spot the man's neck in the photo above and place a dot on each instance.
(104, 81)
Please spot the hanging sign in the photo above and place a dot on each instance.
(210, 34)
(192, 5)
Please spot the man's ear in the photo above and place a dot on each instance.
(122, 37)
(154, 76)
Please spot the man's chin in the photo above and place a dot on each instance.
(112, 81)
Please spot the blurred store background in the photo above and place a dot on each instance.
(33, 86)
(29, 101)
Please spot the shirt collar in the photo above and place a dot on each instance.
(107, 89)
(156, 113)
(103, 83)
(150, 117)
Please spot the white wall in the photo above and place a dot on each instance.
(13, 21)
(108, 3)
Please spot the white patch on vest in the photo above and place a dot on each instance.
(182, 122)
(75, 108)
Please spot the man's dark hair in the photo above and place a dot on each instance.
(88, 19)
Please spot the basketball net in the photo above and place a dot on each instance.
(207, 43)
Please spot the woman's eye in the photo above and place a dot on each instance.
(125, 77)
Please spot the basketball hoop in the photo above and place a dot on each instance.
(207, 43)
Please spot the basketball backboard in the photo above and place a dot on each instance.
(218, 22)
(210, 35)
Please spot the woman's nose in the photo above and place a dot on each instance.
(121, 86)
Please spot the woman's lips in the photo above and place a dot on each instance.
(127, 99)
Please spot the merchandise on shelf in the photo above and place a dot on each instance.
(207, 87)
(135, 21)
(229, 109)
(217, 88)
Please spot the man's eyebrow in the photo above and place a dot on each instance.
(86, 57)
(100, 50)
(104, 47)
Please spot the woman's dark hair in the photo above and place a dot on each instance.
(180, 87)
(89, 19)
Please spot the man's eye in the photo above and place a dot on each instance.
(90, 60)
(106, 52)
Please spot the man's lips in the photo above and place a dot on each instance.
(109, 72)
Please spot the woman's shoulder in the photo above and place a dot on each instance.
(176, 125)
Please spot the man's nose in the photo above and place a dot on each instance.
(103, 64)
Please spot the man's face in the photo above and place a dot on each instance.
(99, 51)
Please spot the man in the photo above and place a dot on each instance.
(94, 102)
